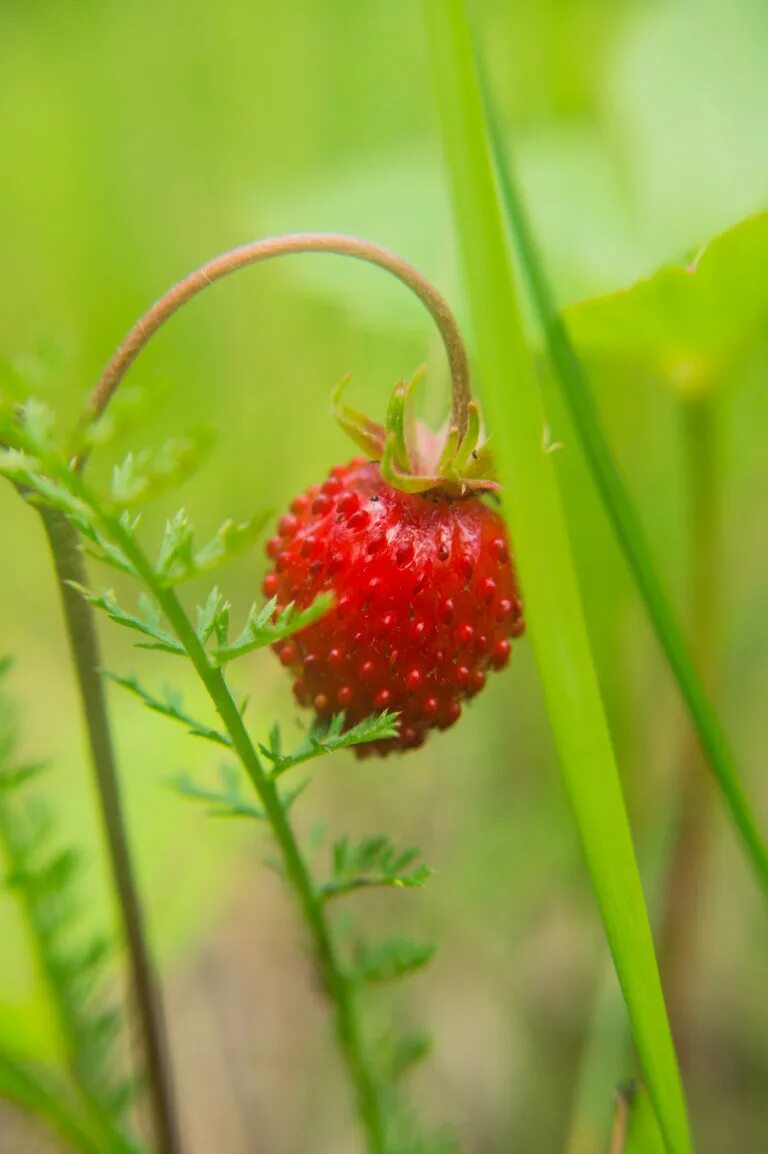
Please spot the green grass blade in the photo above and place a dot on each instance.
(573, 382)
(554, 610)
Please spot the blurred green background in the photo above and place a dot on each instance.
(137, 140)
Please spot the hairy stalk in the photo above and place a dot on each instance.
(630, 533)
(84, 643)
(336, 983)
(268, 249)
(684, 891)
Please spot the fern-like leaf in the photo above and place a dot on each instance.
(327, 737)
(44, 876)
(268, 624)
(372, 862)
(390, 960)
(170, 705)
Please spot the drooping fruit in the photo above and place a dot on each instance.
(426, 600)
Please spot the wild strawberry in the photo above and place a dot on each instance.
(425, 598)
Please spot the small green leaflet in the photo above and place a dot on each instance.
(170, 705)
(390, 960)
(372, 862)
(327, 737)
(178, 560)
(147, 625)
(264, 628)
(227, 801)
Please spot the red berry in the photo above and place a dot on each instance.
(426, 600)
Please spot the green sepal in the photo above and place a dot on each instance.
(368, 434)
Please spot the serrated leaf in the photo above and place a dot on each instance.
(39, 422)
(143, 476)
(225, 802)
(213, 617)
(372, 862)
(264, 628)
(100, 549)
(43, 877)
(230, 539)
(327, 737)
(390, 960)
(170, 706)
(176, 546)
(107, 602)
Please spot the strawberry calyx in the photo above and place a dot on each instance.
(415, 458)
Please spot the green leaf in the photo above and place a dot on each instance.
(328, 736)
(99, 548)
(554, 612)
(689, 322)
(228, 801)
(373, 862)
(175, 548)
(107, 602)
(170, 705)
(213, 617)
(391, 960)
(267, 625)
(231, 538)
(141, 477)
(180, 561)
(44, 877)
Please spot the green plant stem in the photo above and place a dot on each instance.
(683, 897)
(84, 643)
(335, 981)
(554, 612)
(573, 382)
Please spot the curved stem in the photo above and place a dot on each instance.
(267, 249)
(84, 643)
(335, 981)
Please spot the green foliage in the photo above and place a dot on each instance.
(170, 705)
(327, 737)
(111, 534)
(146, 623)
(690, 321)
(43, 876)
(228, 801)
(678, 323)
(390, 960)
(178, 560)
(267, 625)
(372, 862)
(143, 476)
(554, 611)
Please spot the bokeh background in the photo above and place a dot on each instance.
(139, 138)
